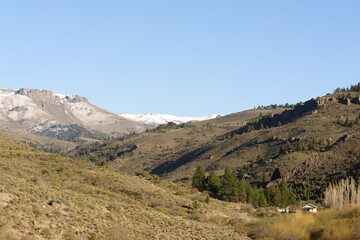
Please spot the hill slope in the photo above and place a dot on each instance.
(165, 144)
(312, 144)
(46, 196)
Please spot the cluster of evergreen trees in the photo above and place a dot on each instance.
(229, 188)
(100, 154)
(274, 106)
(251, 126)
(170, 125)
(314, 145)
(353, 88)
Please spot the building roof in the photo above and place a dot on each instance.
(310, 206)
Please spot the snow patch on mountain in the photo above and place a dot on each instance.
(36, 110)
(18, 107)
(7, 92)
(157, 119)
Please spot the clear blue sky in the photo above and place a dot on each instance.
(184, 57)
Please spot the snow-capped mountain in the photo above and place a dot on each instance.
(39, 111)
(157, 119)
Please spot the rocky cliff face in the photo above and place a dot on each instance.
(38, 111)
(309, 107)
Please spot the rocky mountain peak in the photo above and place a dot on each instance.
(47, 95)
(38, 111)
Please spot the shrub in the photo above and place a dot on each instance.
(118, 233)
(196, 204)
(143, 173)
(156, 202)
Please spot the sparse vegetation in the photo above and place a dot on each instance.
(49, 196)
(270, 157)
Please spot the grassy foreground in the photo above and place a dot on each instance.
(328, 224)
(48, 196)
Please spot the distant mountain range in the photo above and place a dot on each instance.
(151, 118)
(72, 117)
(46, 113)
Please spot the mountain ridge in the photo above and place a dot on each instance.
(38, 111)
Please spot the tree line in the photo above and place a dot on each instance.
(352, 88)
(229, 188)
(275, 106)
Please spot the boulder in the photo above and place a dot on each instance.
(54, 204)
(347, 101)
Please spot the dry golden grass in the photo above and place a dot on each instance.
(328, 224)
(48, 196)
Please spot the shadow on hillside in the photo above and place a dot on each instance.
(172, 165)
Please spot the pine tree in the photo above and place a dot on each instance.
(198, 180)
(287, 146)
(213, 184)
(284, 194)
(273, 196)
(242, 191)
(357, 120)
(229, 190)
(247, 168)
(276, 200)
(312, 145)
(262, 199)
(347, 122)
(300, 145)
(255, 196)
(249, 193)
(265, 177)
(250, 128)
(328, 144)
(259, 157)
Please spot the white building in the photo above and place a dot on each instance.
(283, 210)
(310, 208)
